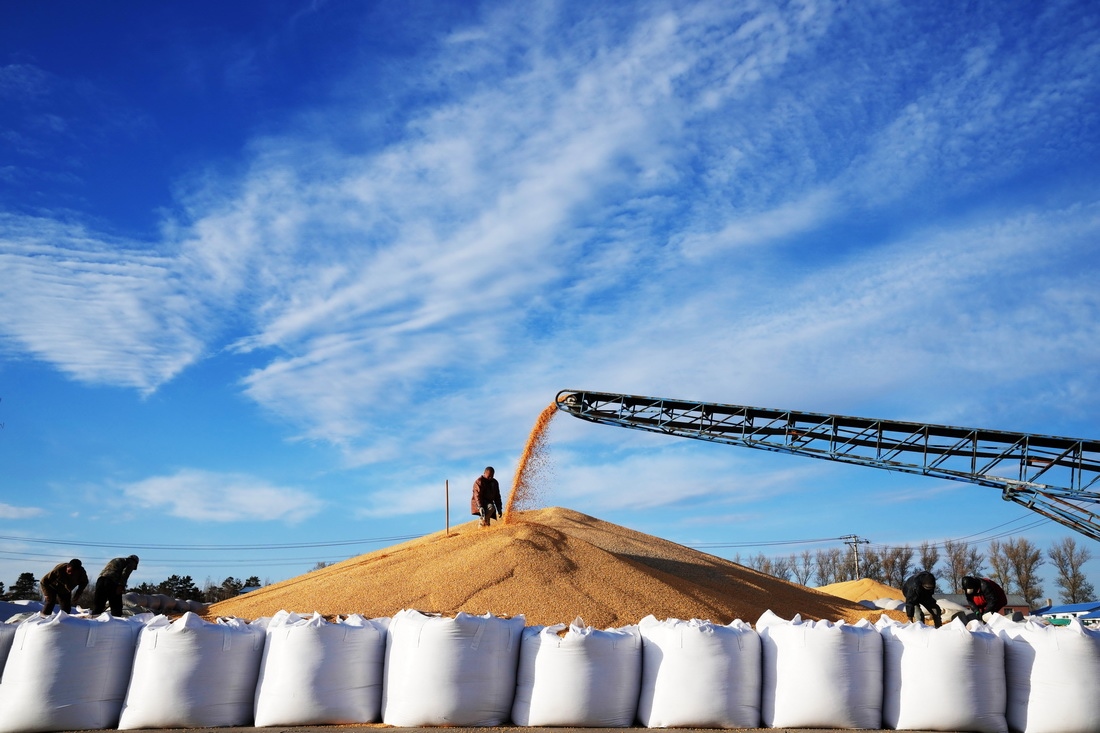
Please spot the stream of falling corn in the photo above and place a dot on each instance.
(534, 465)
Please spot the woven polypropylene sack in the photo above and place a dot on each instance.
(950, 678)
(7, 636)
(190, 673)
(319, 673)
(696, 674)
(587, 677)
(66, 673)
(1051, 675)
(816, 674)
(442, 671)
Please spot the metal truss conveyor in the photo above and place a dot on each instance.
(1057, 477)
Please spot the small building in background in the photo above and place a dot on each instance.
(1087, 613)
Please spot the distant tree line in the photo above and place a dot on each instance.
(26, 588)
(1013, 564)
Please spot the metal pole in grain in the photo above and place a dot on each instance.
(447, 503)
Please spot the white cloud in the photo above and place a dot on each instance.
(514, 236)
(785, 220)
(207, 496)
(8, 511)
(418, 500)
(664, 474)
(103, 311)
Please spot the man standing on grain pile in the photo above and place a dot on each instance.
(63, 586)
(918, 592)
(111, 584)
(485, 501)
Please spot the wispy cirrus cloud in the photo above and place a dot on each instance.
(564, 198)
(101, 310)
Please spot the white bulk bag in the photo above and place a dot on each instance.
(7, 635)
(816, 674)
(66, 673)
(891, 604)
(442, 671)
(1051, 674)
(190, 673)
(319, 673)
(586, 678)
(950, 678)
(696, 674)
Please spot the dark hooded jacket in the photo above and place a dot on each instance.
(915, 592)
(486, 492)
(988, 597)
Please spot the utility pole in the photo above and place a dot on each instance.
(855, 542)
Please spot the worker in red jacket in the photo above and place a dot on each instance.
(983, 595)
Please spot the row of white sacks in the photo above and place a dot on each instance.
(412, 670)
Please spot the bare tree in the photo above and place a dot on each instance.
(897, 565)
(929, 556)
(781, 568)
(1024, 559)
(803, 567)
(1068, 558)
(962, 559)
(829, 566)
(1001, 567)
(775, 567)
(848, 569)
(870, 565)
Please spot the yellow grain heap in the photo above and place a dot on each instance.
(551, 565)
(863, 589)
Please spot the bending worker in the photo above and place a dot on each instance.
(63, 586)
(111, 584)
(983, 595)
(918, 592)
(485, 501)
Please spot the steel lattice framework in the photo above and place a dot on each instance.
(1056, 477)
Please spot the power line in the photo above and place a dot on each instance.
(187, 548)
(982, 536)
(207, 563)
(763, 544)
(877, 546)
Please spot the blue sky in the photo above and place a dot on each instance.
(275, 272)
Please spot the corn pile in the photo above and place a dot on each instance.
(551, 565)
(863, 589)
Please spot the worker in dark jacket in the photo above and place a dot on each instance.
(918, 592)
(63, 586)
(111, 584)
(983, 595)
(485, 501)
